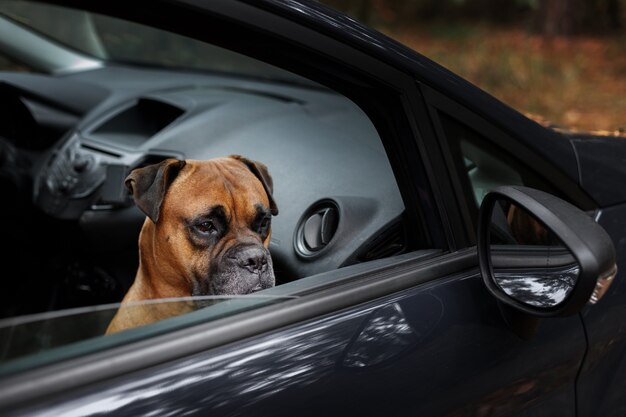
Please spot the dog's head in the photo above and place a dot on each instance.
(209, 224)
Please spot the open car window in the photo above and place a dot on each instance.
(72, 140)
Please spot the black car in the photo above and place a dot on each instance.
(436, 252)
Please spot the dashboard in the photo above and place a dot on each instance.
(69, 141)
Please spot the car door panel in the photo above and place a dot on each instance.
(440, 348)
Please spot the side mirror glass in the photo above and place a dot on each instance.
(530, 263)
(541, 255)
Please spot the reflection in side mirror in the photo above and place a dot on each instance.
(541, 255)
(530, 263)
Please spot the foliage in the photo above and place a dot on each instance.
(552, 17)
(573, 81)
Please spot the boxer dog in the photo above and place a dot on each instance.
(206, 232)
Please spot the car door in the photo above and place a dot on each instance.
(436, 348)
(412, 333)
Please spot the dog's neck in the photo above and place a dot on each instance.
(155, 278)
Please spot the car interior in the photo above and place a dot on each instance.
(72, 130)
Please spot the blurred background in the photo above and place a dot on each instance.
(560, 61)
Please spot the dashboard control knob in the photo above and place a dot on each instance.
(81, 163)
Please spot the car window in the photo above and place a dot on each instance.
(32, 339)
(76, 212)
(115, 40)
(9, 64)
(482, 165)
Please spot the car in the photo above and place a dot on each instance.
(436, 252)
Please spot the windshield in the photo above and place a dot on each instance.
(116, 41)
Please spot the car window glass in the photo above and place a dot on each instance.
(116, 40)
(9, 64)
(37, 339)
(482, 165)
(73, 140)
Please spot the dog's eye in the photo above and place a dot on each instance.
(263, 227)
(206, 227)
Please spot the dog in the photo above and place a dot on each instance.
(207, 232)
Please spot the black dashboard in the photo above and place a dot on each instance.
(69, 141)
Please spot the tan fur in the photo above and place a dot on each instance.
(526, 229)
(168, 261)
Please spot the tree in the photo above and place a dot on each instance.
(559, 17)
(572, 17)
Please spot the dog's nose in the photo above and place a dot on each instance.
(252, 258)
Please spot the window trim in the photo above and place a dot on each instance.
(501, 139)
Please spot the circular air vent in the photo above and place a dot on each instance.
(316, 228)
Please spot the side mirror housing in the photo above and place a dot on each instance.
(540, 255)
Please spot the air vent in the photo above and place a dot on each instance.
(316, 228)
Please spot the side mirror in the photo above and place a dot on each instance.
(541, 255)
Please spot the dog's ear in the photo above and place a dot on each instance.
(260, 171)
(149, 184)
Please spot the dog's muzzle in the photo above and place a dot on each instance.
(243, 269)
